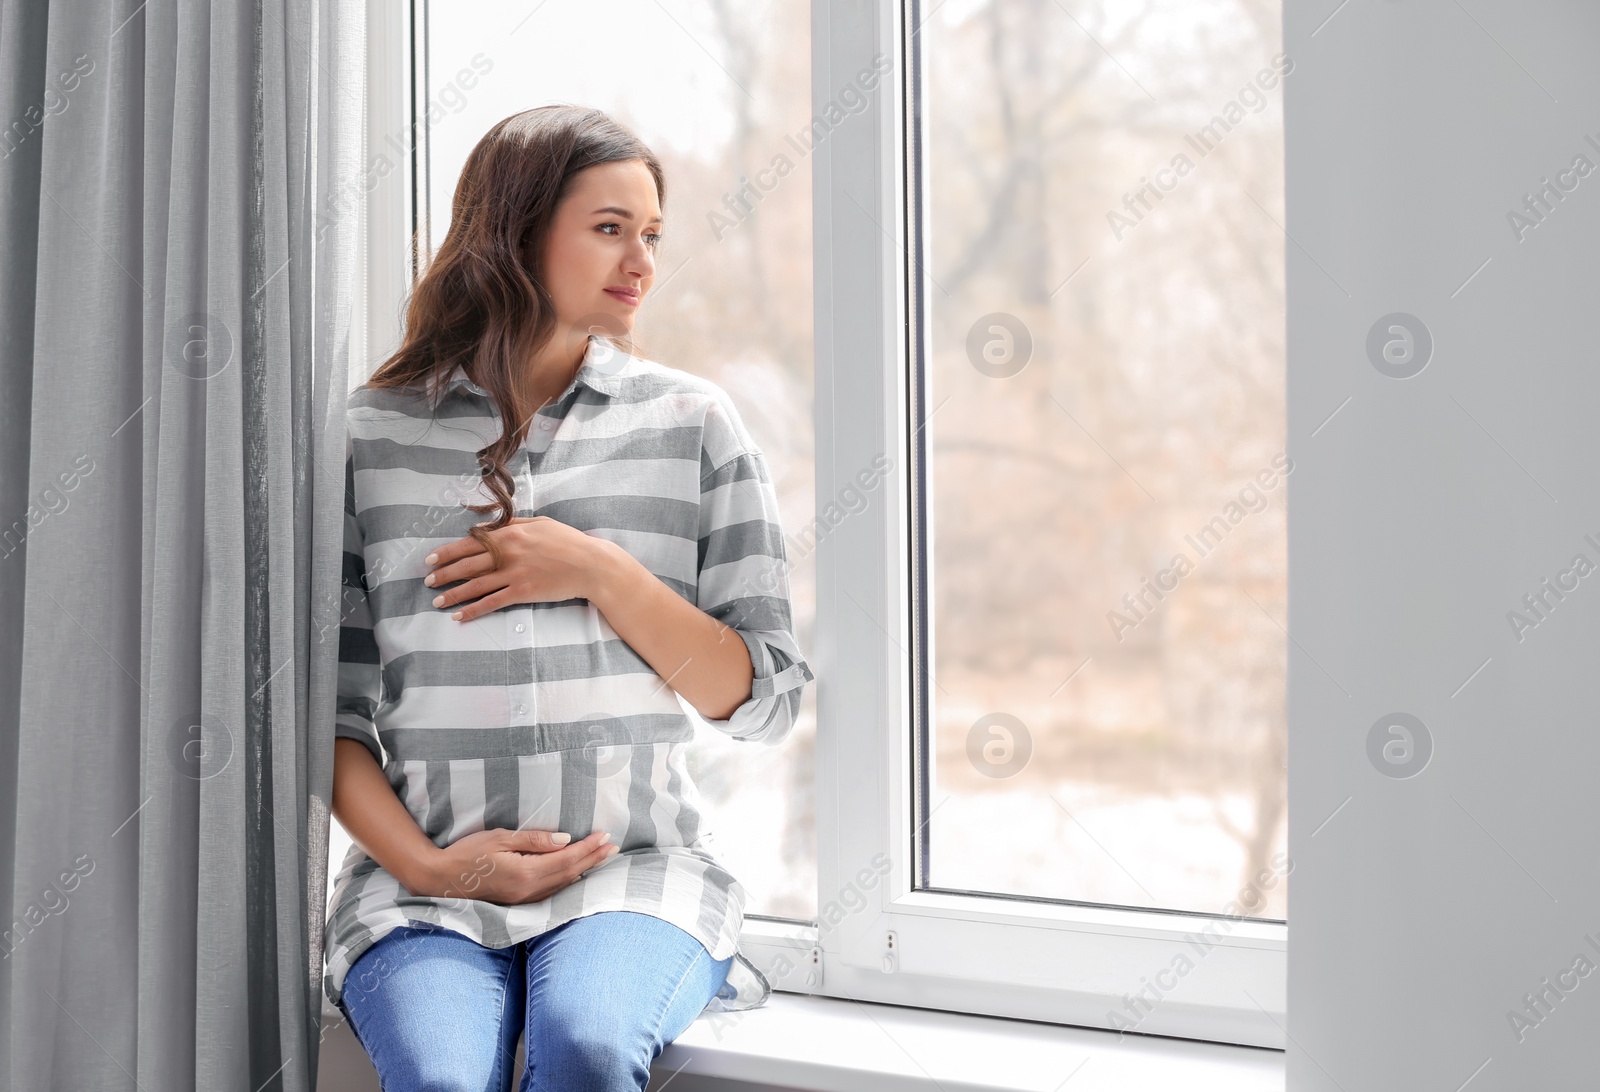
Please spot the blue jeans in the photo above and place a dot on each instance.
(597, 998)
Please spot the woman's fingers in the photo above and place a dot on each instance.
(541, 867)
(600, 856)
(465, 568)
(544, 841)
(580, 857)
(473, 588)
(505, 597)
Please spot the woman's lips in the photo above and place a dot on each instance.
(624, 296)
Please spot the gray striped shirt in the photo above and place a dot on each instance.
(537, 715)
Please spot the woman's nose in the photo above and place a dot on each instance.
(640, 262)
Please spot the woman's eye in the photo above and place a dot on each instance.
(654, 238)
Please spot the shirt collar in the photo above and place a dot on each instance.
(601, 371)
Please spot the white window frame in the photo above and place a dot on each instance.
(1031, 959)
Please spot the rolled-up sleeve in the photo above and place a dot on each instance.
(744, 584)
(360, 672)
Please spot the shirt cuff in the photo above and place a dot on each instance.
(775, 691)
(352, 726)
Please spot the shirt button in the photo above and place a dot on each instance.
(519, 627)
(545, 425)
(521, 708)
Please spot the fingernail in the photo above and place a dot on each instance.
(456, 616)
(561, 839)
(604, 838)
(428, 580)
(613, 850)
(438, 600)
(430, 559)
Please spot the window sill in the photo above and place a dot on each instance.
(808, 1042)
(822, 1044)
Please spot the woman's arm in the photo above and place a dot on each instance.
(548, 561)
(699, 657)
(731, 653)
(367, 808)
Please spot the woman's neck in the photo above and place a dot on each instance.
(554, 366)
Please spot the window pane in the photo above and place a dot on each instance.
(719, 92)
(1106, 452)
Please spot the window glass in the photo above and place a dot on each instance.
(1106, 452)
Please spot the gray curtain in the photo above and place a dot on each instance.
(179, 218)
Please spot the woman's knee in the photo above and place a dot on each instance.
(436, 1078)
(594, 1056)
(413, 1060)
(435, 1010)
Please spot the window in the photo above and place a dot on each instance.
(1103, 288)
(1027, 392)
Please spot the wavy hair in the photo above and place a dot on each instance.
(482, 301)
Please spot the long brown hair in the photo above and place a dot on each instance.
(479, 304)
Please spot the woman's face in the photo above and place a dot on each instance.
(600, 253)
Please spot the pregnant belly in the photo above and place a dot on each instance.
(641, 794)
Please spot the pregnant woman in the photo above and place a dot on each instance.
(548, 540)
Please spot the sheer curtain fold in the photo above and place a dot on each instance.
(179, 188)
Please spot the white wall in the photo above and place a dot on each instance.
(1425, 909)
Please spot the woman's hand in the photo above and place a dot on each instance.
(545, 561)
(511, 867)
